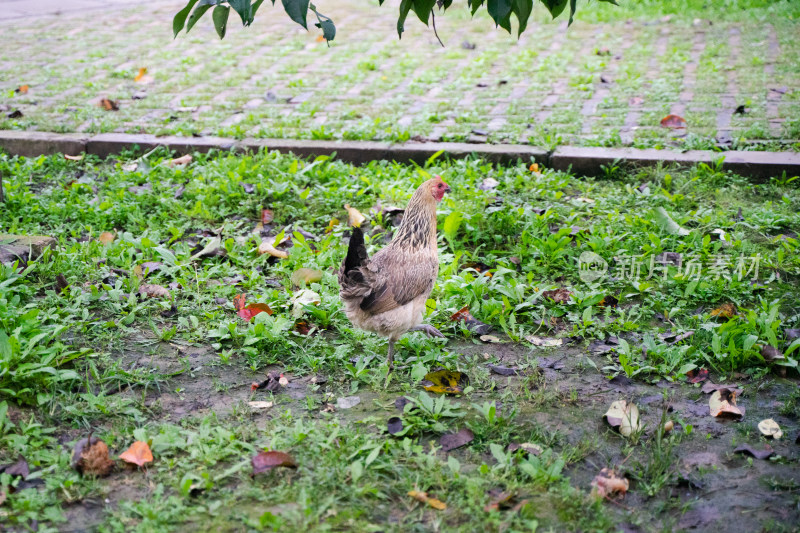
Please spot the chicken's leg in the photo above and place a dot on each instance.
(390, 357)
(428, 330)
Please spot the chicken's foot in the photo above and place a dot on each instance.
(428, 330)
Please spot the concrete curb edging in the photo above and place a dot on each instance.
(588, 161)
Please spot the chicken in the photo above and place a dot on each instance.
(386, 294)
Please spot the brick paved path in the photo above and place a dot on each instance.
(598, 84)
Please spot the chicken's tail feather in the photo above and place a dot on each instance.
(356, 252)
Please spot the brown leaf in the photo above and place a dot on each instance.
(726, 310)
(766, 453)
(451, 441)
(559, 295)
(90, 457)
(106, 237)
(608, 301)
(183, 160)
(722, 404)
(267, 216)
(698, 375)
(153, 291)
(607, 483)
(142, 76)
(265, 461)
(22, 89)
(770, 353)
(527, 447)
(673, 122)
(501, 500)
(138, 454)
(710, 387)
(109, 105)
(19, 468)
(423, 497)
(472, 323)
(445, 382)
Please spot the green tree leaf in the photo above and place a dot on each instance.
(220, 16)
(198, 12)
(522, 9)
(243, 8)
(556, 7)
(423, 9)
(500, 11)
(179, 20)
(297, 11)
(405, 7)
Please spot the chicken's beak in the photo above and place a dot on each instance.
(446, 188)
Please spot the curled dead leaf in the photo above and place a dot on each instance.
(355, 218)
(109, 105)
(472, 323)
(265, 461)
(490, 339)
(302, 298)
(73, 157)
(142, 77)
(106, 237)
(769, 428)
(624, 416)
(154, 291)
(608, 483)
(445, 382)
(267, 247)
(561, 295)
(451, 441)
(722, 404)
(138, 454)
(673, 122)
(260, 405)
(22, 89)
(770, 354)
(527, 447)
(423, 497)
(726, 310)
(183, 160)
(698, 375)
(544, 341)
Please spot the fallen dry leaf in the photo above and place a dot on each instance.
(451, 441)
(305, 275)
(490, 339)
(502, 370)
(302, 298)
(669, 425)
(527, 447)
(698, 375)
(260, 405)
(673, 122)
(722, 404)
(558, 295)
(109, 105)
(423, 497)
(355, 218)
(607, 483)
(769, 428)
(472, 323)
(534, 168)
(138, 454)
(266, 461)
(267, 247)
(624, 416)
(770, 353)
(544, 341)
(19, 468)
(142, 77)
(332, 224)
(394, 425)
(267, 216)
(183, 160)
(106, 237)
(501, 500)
(73, 157)
(271, 384)
(247, 312)
(445, 382)
(766, 453)
(488, 183)
(153, 291)
(90, 457)
(726, 310)
(22, 89)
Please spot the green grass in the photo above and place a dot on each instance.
(97, 356)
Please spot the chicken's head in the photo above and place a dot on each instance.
(438, 188)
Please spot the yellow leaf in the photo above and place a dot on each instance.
(140, 76)
(354, 215)
(138, 454)
(266, 247)
(423, 497)
(726, 310)
(106, 237)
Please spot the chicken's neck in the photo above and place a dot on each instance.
(418, 229)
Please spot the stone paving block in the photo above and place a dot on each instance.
(107, 144)
(36, 143)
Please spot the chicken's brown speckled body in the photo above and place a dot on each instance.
(386, 294)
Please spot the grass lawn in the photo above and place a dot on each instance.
(88, 345)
